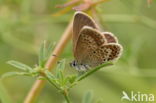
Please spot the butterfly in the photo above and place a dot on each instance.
(91, 47)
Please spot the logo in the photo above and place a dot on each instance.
(137, 97)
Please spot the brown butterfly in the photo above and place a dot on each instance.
(90, 46)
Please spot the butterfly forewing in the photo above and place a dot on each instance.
(81, 20)
(89, 40)
(106, 52)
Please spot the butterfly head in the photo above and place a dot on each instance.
(79, 67)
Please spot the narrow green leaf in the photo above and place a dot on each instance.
(60, 68)
(19, 65)
(59, 71)
(10, 74)
(88, 97)
(50, 48)
(4, 96)
(42, 55)
(61, 65)
(61, 78)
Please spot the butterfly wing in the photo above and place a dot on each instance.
(81, 20)
(90, 46)
(106, 52)
(110, 37)
(89, 40)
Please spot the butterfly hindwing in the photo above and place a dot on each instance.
(106, 52)
(89, 40)
(110, 37)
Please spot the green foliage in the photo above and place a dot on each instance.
(10, 74)
(128, 20)
(19, 65)
(59, 69)
(52, 79)
(27, 70)
(65, 83)
(49, 49)
(59, 80)
(88, 97)
(45, 53)
(42, 55)
(4, 96)
(72, 78)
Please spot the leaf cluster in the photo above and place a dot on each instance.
(63, 83)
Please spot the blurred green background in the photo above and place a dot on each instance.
(25, 24)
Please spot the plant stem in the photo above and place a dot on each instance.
(65, 92)
(66, 96)
(38, 85)
(93, 70)
(51, 82)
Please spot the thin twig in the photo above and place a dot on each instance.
(38, 85)
(67, 4)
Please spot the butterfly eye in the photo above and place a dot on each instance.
(74, 63)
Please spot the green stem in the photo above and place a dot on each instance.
(65, 92)
(66, 96)
(93, 70)
(51, 82)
